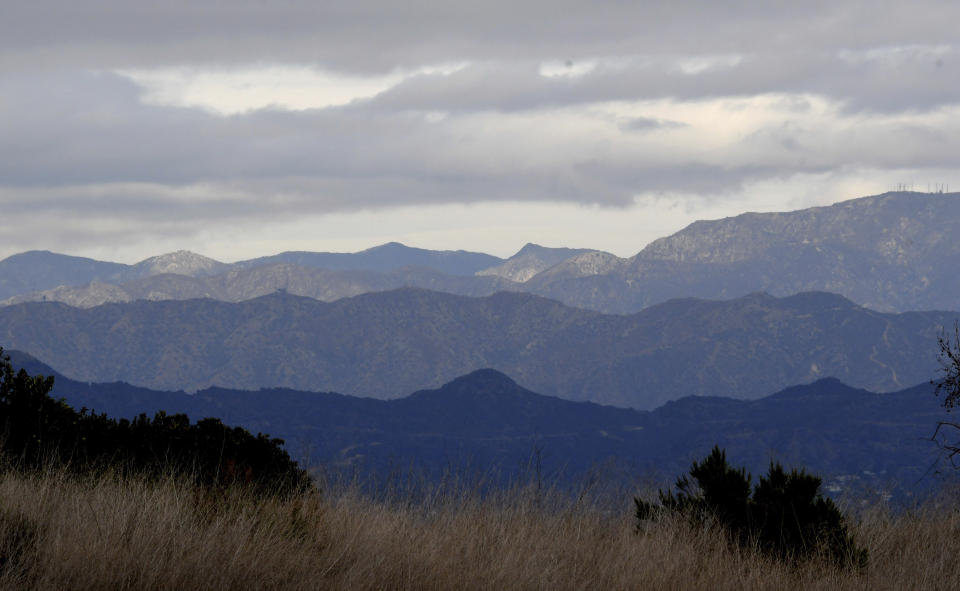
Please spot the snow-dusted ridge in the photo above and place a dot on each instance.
(180, 262)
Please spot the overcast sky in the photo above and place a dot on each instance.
(238, 129)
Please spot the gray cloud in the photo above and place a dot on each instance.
(80, 145)
(642, 124)
(91, 129)
(912, 78)
(379, 35)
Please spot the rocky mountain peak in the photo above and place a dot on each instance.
(532, 248)
(896, 226)
(181, 262)
(531, 260)
(595, 262)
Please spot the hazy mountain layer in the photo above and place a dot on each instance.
(39, 270)
(380, 344)
(46, 276)
(386, 257)
(244, 284)
(485, 422)
(892, 252)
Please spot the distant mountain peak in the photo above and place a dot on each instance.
(531, 247)
(50, 256)
(487, 375)
(177, 255)
(819, 299)
(759, 296)
(531, 260)
(180, 262)
(30, 254)
(387, 257)
(824, 386)
(479, 384)
(393, 245)
(885, 223)
(39, 270)
(539, 249)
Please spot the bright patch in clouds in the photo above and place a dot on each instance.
(239, 90)
(700, 64)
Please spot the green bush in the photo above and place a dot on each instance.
(784, 515)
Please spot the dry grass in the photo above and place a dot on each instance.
(60, 533)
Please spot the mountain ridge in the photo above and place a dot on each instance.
(891, 252)
(409, 339)
(42, 275)
(530, 261)
(390, 256)
(486, 421)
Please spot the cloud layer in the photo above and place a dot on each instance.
(179, 123)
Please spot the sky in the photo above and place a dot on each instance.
(244, 128)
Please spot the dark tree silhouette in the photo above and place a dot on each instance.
(948, 384)
(785, 517)
(36, 429)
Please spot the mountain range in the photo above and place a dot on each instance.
(484, 421)
(648, 360)
(47, 276)
(385, 343)
(890, 252)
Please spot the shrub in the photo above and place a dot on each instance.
(36, 429)
(785, 516)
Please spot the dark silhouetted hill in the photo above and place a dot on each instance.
(485, 421)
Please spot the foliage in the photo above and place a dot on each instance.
(948, 384)
(785, 517)
(36, 429)
(949, 358)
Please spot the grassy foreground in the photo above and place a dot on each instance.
(61, 532)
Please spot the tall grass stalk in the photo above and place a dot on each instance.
(63, 532)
